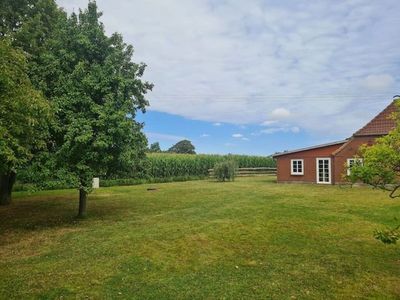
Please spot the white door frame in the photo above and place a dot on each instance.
(317, 170)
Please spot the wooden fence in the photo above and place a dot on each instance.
(243, 172)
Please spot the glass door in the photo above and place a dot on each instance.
(324, 170)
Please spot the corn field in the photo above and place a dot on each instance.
(162, 165)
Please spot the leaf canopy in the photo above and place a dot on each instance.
(24, 112)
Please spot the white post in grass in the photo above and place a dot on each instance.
(96, 183)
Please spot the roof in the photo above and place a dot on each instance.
(382, 124)
(310, 148)
(343, 146)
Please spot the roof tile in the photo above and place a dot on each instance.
(381, 124)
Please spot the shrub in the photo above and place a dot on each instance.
(137, 181)
(389, 235)
(225, 170)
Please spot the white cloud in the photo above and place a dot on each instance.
(268, 123)
(295, 129)
(272, 130)
(240, 136)
(280, 113)
(156, 136)
(378, 82)
(204, 135)
(238, 61)
(217, 124)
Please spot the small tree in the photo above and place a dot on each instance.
(155, 147)
(381, 169)
(184, 146)
(225, 170)
(24, 115)
(97, 90)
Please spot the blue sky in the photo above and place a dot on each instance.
(220, 138)
(274, 75)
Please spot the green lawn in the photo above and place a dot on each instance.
(251, 238)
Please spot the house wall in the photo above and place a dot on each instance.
(309, 157)
(348, 150)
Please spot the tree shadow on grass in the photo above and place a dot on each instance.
(43, 212)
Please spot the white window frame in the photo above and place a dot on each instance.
(354, 159)
(317, 170)
(302, 167)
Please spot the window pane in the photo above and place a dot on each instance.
(351, 162)
(297, 166)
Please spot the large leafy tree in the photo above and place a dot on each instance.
(184, 146)
(27, 26)
(13, 14)
(91, 82)
(24, 115)
(30, 25)
(96, 90)
(380, 168)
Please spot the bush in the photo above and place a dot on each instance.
(137, 181)
(225, 170)
(389, 235)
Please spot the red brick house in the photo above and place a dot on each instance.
(327, 163)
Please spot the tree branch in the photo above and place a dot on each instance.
(392, 193)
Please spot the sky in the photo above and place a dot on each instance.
(259, 77)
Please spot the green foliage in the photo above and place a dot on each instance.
(93, 85)
(32, 25)
(161, 165)
(389, 235)
(12, 12)
(44, 173)
(155, 147)
(225, 170)
(136, 181)
(381, 169)
(24, 113)
(381, 162)
(65, 184)
(26, 26)
(96, 90)
(183, 147)
(157, 166)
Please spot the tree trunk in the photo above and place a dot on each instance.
(82, 203)
(6, 184)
